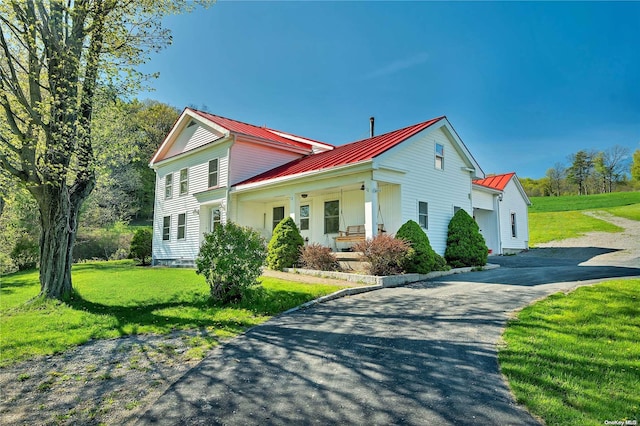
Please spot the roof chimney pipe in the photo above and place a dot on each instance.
(372, 121)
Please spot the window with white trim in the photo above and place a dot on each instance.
(439, 156)
(304, 217)
(166, 228)
(216, 219)
(213, 173)
(168, 186)
(184, 181)
(331, 217)
(182, 226)
(514, 233)
(278, 215)
(423, 214)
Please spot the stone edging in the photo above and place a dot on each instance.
(376, 282)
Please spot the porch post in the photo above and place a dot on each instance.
(293, 206)
(370, 208)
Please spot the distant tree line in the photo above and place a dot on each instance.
(589, 172)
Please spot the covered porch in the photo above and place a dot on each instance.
(323, 210)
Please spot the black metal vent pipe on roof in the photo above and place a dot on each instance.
(372, 121)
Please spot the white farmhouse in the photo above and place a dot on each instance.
(211, 169)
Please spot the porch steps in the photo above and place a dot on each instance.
(350, 261)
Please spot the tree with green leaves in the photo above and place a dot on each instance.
(54, 56)
(635, 166)
(580, 170)
(141, 245)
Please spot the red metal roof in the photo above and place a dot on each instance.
(498, 182)
(256, 131)
(354, 152)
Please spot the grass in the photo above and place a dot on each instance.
(545, 227)
(574, 359)
(629, 212)
(117, 299)
(583, 202)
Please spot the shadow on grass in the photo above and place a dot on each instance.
(194, 311)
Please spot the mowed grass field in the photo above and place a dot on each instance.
(574, 359)
(118, 299)
(558, 218)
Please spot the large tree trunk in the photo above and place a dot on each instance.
(59, 208)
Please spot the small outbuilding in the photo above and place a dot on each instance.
(500, 207)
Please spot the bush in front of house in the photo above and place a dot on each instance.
(284, 247)
(231, 260)
(440, 264)
(318, 257)
(384, 254)
(465, 244)
(421, 258)
(141, 245)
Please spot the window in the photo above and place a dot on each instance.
(213, 173)
(182, 225)
(168, 186)
(304, 217)
(456, 209)
(439, 156)
(278, 215)
(166, 228)
(184, 181)
(215, 218)
(331, 217)
(423, 214)
(513, 225)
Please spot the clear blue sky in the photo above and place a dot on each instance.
(524, 84)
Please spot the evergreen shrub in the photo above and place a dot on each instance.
(465, 244)
(284, 248)
(141, 245)
(421, 258)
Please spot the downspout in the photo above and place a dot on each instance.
(497, 199)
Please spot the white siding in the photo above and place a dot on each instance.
(482, 199)
(442, 189)
(250, 159)
(198, 166)
(191, 138)
(513, 202)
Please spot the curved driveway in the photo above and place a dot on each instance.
(416, 355)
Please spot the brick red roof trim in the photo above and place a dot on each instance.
(498, 182)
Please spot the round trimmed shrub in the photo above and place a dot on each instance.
(465, 244)
(231, 259)
(284, 247)
(420, 259)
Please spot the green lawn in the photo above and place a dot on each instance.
(575, 359)
(545, 227)
(583, 202)
(629, 212)
(117, 299)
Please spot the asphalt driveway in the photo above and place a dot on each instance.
(416, 355)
